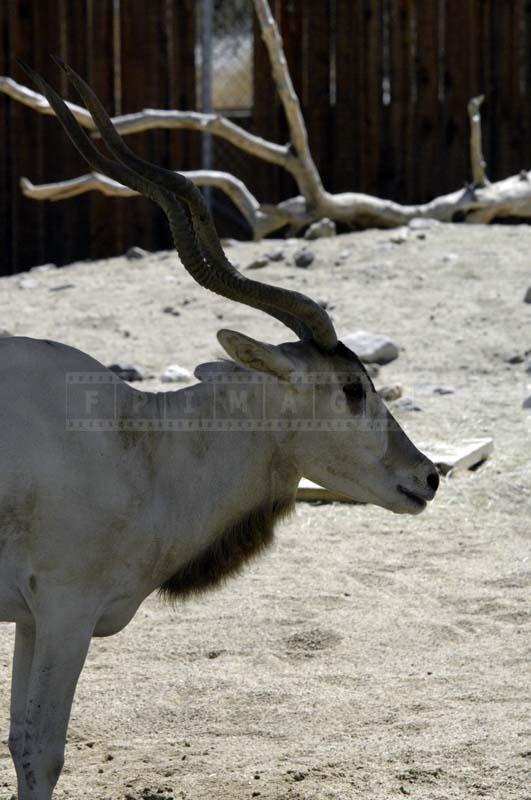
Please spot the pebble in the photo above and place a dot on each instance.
(407, 404)
(175, 374)
(527, 403)
(4, 332)
(527, 296)
(390, 393)
(135, 253)
(258, 263)
(321, 229)
(450, 258)
(371, 347)
(276, 255)
(27, 283)
(171, 310)
(303, 258)
(527, 366)
(422, 223)
(127, 372)
(400, 236)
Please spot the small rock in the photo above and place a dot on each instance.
(135, 253)
(390, 393)
(171, 310)
(321, 229)
(371, 347)
(303, 258)
(175, 374)
(527, 403)
(276, 255)
(127, 372)
(400, 236)
(4, 332)
(43, 268)
(27, 283)
(422, 223)
(527, 366)
(516, 359)
(258, 263)
(527, 297)
(61, 287)
(450, 258)
(443, 390)
(407, 404)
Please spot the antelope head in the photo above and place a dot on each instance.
(338, 431)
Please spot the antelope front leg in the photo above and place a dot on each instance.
(24, 644)
(59, 653)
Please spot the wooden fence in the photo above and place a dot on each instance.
(384, 86)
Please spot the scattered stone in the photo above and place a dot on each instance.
(422, 223)
(61, 287)
(175, 374)
(43, 268)
(517, 359)
(27, 283)
(527, 403)
(303, 258)
(276, 255)
(527, 366)
(407, 404)
(527, 297)
(171, 310)
(371, 347)
(450, 258)
(443, 390)
(135, 253)
(321, 229)
(400, 236)
(258, 263)
(465, 455)
(127, 372)
(4, 333)
(390, 393)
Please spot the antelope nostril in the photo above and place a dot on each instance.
(433, 481)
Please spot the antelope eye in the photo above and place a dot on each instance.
(354, 391)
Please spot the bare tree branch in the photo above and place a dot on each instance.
(38, 102)
(477, 161)
(260, 221)
(303, 166)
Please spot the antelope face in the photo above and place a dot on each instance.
(335, 426)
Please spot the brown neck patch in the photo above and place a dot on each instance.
(241, 541)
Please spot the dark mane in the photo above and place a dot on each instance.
(231, 549)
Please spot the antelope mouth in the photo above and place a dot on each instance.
(417, 501)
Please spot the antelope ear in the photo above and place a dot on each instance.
(256, 355)
(213, 369)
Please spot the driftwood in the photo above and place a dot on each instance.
(479, 202)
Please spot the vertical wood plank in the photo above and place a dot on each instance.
(144, 84)
(349, 80)
(26, 138)
(460, 84)
(6, 200)
(106, 213)
(370, 31)
(400, 128)
(427, 120)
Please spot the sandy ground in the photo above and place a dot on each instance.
(367, 655)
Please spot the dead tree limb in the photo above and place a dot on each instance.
(478, 163)
(482, 202)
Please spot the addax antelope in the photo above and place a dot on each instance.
(124, 492)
